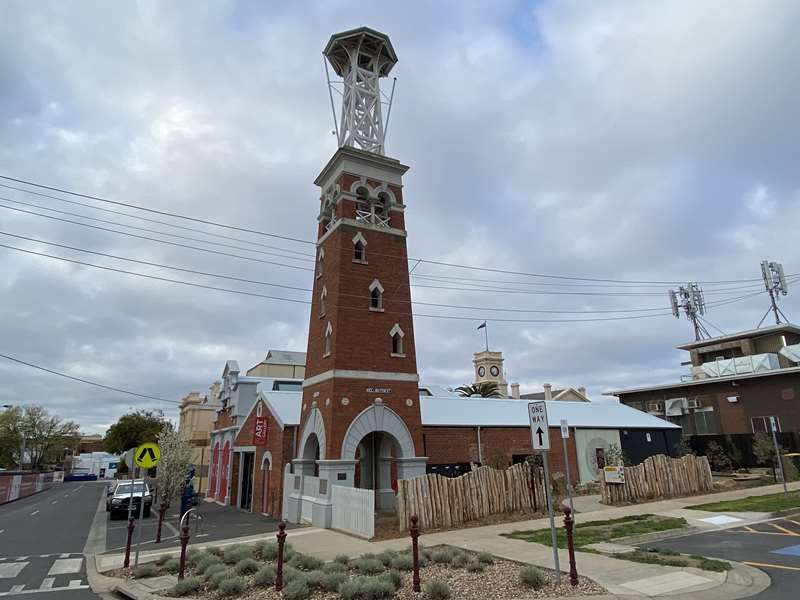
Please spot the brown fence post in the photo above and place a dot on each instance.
(128, 543)
(569, 522)
(414, 531)
(279, 568)
(184, 543)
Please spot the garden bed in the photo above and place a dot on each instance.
(767, 503)
(247, 572)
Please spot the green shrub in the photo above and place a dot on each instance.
(459, 560)
(236, 553)
(368, 566)
(268, 550)
(265, 576)
(290, 573)
(206, 561)
(532, 577)
(435, 589)
(386, 557)
(232, 586)
(443, 556)
(331, 581)
(145, 570)
(296, 589)
(247, 566)
(402, 562)
(215, 550)
(163, 558)
(314, 579)
(216, 579)
(304, 562)
(486, 558)
(366, 588)
(193, 555)
(212, 570)
(342, 559)
(334, 567)
(393, 577)
(424, 551)
(475, 566)
(173, 565)
(288, 552)
(187, 586)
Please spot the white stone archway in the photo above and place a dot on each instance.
(378, 418)
(312, 444)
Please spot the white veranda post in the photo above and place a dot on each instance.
(361, 57)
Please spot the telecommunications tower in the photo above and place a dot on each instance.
(775, 283)
(361, 57)
(690, 300)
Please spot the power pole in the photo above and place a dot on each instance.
(776, 286)
(690, 300)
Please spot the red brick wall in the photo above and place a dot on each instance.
(445, 445)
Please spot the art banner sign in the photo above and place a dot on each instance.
(260, 432)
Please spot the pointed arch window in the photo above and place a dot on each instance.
(320, 262)
(376, 296)
(323, 297)
(328, 341)
(359, 249)
(397, 336)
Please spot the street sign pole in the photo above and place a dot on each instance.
(141, 524)
(540, 440)
(564, 438)
(553, 536)
(778, 455)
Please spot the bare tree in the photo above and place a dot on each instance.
(176, 458)
(45, 437)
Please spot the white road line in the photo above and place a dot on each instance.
(65, 555)
(65, 565)
(34, 513)
(40, 591)
(10, 570)
(17, 588)
(22, 558)
(54, 502)
(74, 583)
(47, 583)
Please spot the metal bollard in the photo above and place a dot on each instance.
(569, 523)
(279, 568)
(414, 531)
(184, 542)
(161, 512)
(127, 562)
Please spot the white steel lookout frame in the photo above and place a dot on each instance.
(360, 57)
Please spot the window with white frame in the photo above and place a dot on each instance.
(323, 304)
(376, 296)
(320, 262)
(397, 336)
(764, 425)
(328, 340)
(359, 248)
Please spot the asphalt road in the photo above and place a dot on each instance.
(772, 546)
(42, 538)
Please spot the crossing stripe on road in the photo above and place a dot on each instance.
(40, 591)
(47, 583)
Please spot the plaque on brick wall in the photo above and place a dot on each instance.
(341, 477)
(379, 390)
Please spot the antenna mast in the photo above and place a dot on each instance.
(690, 299)
(776, 286)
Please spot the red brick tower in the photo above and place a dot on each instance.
(360, 396)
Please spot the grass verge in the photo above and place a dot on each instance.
(602, 531)
(668, 558)
(769, 503)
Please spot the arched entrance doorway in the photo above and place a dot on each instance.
(223, 474)
(312, 445)
(212, 485)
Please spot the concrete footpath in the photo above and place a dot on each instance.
(620, 577)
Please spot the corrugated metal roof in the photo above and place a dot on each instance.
(490, 412)
(284, 357)
(284, 405)
(750, 333)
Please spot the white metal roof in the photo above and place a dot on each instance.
(284, 405)
(705, 381)
(490, 412)
(284, 357)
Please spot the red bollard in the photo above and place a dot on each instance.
(184, 543)
(569, 522)
(279, 568)
(414, 531)
(127, 562)
(161, 511)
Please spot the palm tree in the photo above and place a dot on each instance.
(487, 389)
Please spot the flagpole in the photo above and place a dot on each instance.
(486, 334)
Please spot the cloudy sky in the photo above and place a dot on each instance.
(653, 142)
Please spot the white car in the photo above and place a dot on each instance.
(121, 495)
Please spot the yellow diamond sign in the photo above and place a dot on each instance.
(147, 456)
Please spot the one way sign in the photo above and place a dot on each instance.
(540, 435)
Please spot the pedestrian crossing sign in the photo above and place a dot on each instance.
(147, 455)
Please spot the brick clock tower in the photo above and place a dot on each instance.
(360, 419)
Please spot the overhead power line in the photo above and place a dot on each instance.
(423, 260)
(86, 381)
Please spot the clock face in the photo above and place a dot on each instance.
(481, 371)
(494, 371)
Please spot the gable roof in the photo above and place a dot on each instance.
(284, 357)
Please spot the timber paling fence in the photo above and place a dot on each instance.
(447, 502)
(660, 477)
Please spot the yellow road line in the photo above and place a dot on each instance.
(750, 529)
(795, 522)
(784, 530)
(770, 566)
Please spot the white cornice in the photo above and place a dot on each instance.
(359, 224)
(347, 374)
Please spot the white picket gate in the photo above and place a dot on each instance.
(354, 510)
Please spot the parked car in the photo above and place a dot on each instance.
(121, 495)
